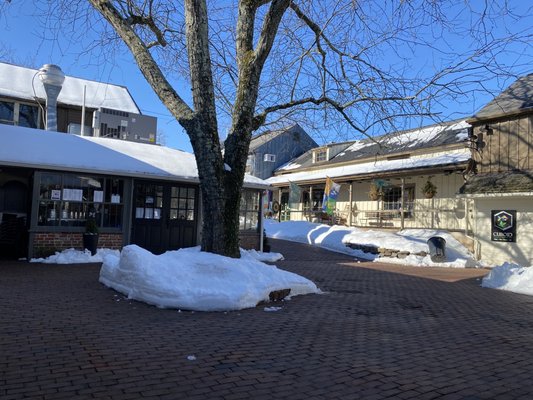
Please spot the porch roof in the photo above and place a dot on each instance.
(455, 159)
(34, 148)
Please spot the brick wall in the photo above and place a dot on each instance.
(249, 240)
(47, 243)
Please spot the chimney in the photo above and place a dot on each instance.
(52, 78)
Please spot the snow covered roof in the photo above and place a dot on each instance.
(34, 148)
(23, 83)
(432, 136)
(427, 161)
(515, 99)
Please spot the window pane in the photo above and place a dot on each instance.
(191, 193)
(113, 216)
(48, 213)
(7, 114)
(114, 189)
(50, 188)
(28, 116)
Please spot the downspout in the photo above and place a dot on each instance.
(82, 132)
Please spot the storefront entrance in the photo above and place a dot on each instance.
(165, 216)
(14, 212)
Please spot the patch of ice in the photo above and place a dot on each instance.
(272, 309)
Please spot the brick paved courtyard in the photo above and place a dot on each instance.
(380, 332)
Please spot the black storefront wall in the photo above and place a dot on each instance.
(156, 215)
(60, 206)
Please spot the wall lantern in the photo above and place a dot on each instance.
(487, 129)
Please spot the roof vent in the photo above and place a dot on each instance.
(52, 78)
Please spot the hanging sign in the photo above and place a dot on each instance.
(503, 225)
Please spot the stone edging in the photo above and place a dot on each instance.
(384, 252)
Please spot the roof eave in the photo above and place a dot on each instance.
(434, 169)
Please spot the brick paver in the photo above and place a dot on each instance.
(378, 332)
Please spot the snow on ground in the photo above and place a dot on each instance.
(511, 277)
(71, 256)
(336, 237)
(188, 278)
(194, 280)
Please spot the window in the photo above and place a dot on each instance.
(148, 201)
(69, 200)
(314, 204)
(392, 196)
(270, 158)
(14, 113)
(7, 112)
(182, 203)
(249, 210)
(320, 155)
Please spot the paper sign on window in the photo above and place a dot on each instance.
(115, 198)
(55, 195)
(98, 196)
(72, 194)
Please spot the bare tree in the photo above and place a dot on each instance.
(337, 63)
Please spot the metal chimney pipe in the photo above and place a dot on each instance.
(52, 78)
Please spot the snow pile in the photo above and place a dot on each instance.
(511, 277)
(71, 256)
(194, 280)
(264, 257)
(337, 237)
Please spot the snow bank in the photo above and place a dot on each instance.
(337, 237)
(511, 277)
(260, 256)
(71, 256)
(194, 280)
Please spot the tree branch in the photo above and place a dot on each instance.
(148, 66)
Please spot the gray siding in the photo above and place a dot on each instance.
(285, 146)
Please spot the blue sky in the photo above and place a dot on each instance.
(21, 37)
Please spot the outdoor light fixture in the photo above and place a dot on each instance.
(487, 129)
(52, 78)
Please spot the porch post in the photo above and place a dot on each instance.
(311, 211)
(261, 220)
(466, 217)
(279, 202)
(402, 204)
(350, 203)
